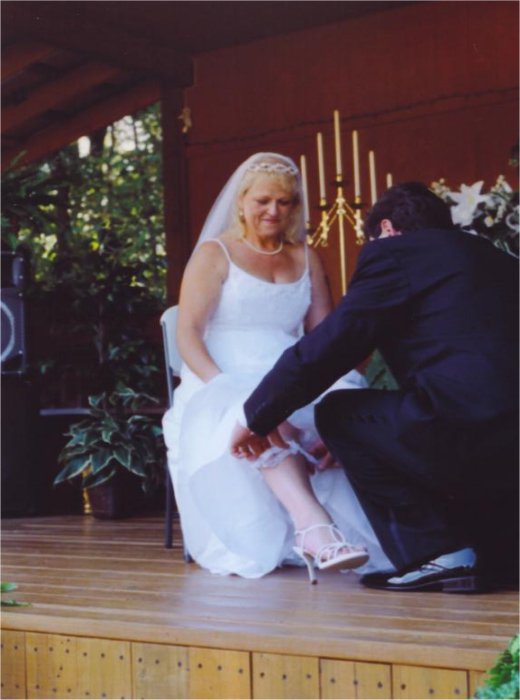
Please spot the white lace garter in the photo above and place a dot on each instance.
(274, 455)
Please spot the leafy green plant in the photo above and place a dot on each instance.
(29, 196)
(7, 587)
(100, 298)
(114, 437)
(503, 679)
(378, 374)
(94, 228)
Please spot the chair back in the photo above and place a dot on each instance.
(172, 359)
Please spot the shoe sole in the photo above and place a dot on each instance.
(352, 562)
(463, 584)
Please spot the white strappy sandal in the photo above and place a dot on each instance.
(338, 554)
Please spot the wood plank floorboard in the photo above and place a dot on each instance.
(114, 579)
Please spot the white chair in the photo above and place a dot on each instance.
(173, 362)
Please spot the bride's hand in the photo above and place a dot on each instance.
(319, 450)
(287, 432)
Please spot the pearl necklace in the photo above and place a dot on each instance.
(263, 252)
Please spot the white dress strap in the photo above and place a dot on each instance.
(222, 245)
(306, 256)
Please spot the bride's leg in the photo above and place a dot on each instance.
(289, 481)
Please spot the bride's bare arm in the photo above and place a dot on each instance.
(321, 305)
(200, 291)
(321, 300)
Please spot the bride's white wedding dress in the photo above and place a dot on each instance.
(231, 521)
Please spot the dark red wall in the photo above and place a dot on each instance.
(432, 89)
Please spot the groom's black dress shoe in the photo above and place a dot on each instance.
(429, 577)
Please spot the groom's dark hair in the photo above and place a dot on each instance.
(410, 206)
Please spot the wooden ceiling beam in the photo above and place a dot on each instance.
(53, 138)
(21, 55)
(56, 93)
(63, 24)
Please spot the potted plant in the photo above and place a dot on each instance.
(119, 441)
(95, 231)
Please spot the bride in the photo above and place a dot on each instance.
(250, 289)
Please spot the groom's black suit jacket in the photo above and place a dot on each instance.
(434, 464)
(440, 305)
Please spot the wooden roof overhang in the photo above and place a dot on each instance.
(65, 75)
(70, 68)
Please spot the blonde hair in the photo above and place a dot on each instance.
(286, 178)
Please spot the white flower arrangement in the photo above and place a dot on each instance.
(494, 215)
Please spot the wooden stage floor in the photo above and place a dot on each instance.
(114, 614)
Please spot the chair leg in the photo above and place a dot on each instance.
(168, 517)
(187, 555)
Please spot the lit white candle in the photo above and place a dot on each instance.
(305, 190)
(337, 143)
(372, 171)
(355, 155)
(321, 166)
(389, 180)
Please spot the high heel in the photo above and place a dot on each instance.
(332, 555)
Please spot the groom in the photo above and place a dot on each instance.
(434, 464)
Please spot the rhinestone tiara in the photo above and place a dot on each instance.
(272, 168)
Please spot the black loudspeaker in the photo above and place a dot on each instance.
(12, 304)
(19, 409)
(19, 406)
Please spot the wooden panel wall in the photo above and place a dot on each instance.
(38, 665)
(432, 88)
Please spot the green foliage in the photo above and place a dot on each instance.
(29, 196)
(101, 298)
(6, 587)
(378, 374)
(94, 226)
(503, 679)
(115, 436)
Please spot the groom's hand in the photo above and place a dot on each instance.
(247, 445)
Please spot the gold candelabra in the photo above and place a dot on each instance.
(341, 212)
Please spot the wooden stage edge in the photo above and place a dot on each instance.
(115, 615)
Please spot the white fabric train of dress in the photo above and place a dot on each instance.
(231, 521)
